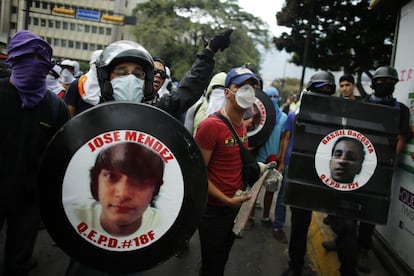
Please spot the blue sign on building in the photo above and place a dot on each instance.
(88, 14)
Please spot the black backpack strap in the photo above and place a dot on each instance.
(227, 122)
(251, 170)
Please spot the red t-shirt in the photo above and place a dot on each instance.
(225, 165)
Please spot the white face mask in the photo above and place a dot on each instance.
(127, 88)
(216, 101)
(66, 77)
(245, 96)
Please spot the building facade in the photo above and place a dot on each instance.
(74, 28)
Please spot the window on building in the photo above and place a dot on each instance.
(49, 40)
(77, 45)
(56, 42)
(92, 46)
(70, 43)
(44, 6)
(35, 21)
(101, 30)
(80, 27)
(85, 46)
(37, 4)
(13, 9)
(50, 23)
(12, 25)
(64, 43)
(65, 25)
(87, 29)
(57, 24)
(72, 26)
(108, 31)
(43, 22)
(94, 29)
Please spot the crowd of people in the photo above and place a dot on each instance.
(39, 90)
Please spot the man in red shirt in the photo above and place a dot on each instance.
(224, 165)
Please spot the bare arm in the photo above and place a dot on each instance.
(234, 202)
(283, 150)
(401, 139)
(72, 110)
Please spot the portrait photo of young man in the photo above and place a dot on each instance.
(124, 181)
(346, 159)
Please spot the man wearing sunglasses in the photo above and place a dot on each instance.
(160, 74)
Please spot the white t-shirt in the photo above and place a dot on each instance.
(90, 213)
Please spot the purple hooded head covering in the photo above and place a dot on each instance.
(29, 57)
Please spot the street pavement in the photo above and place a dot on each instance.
(257, 253)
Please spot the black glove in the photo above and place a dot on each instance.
(220, 41)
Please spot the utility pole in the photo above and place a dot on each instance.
(117, 9)
(307, 43)
(27, 14)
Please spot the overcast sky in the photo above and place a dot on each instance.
(274, 63)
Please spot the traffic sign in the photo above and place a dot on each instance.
(88, 14)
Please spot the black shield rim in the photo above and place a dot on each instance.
(109, 117)
(264, 104)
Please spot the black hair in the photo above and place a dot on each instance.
(348, 78)
(129, 158)
(159, 60)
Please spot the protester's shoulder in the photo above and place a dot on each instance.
(291, 115)
(200, 112)
(5, 85)
(73, 87)
(281, 121)
(52, 98)
(4, 82)
(209, 126)
(404, 110)
(365, 99)
(60, 112)
(290, 120)
(72, 95)
(211, 120)
(402, 106)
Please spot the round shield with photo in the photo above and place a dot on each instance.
(345, 160)
(259, 119)
(123, 184)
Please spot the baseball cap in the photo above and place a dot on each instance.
(239, 75)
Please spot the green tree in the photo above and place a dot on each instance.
(343, 34)
(287, 87)
(174, 31)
